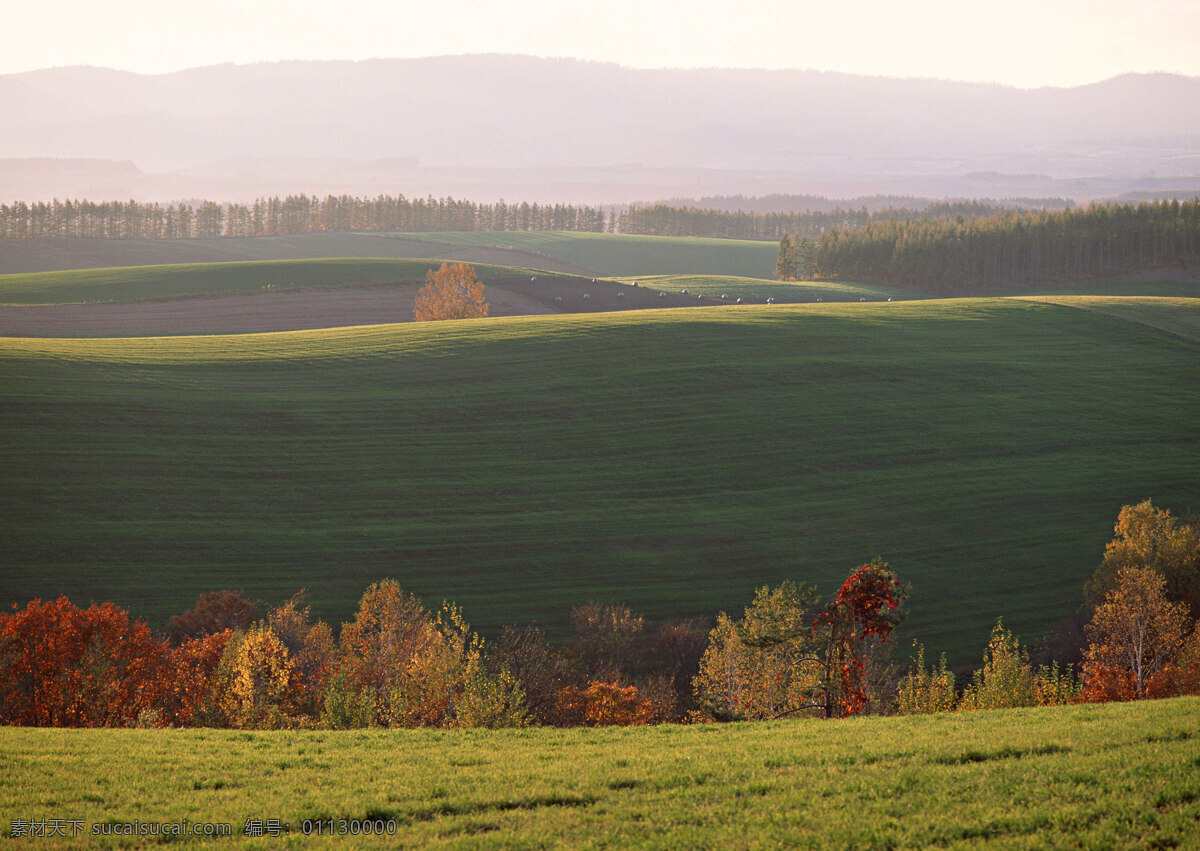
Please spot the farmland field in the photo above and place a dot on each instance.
(1102, 776)
(588, 254)
(760, 288)
(673, 460)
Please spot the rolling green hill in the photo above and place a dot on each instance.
(610, 255)
(760, 288)
(138, 283)
(673, 460)
(1118, 775)
(591, 254)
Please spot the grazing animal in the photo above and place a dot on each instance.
(662, 295)
(685, 292)
(770, 301)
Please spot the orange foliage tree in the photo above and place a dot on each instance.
(605, 705)
(452, 292)
(1133, 636)
(1149, 537)
(311, 648)
(188, 686)
(62, 666)
(215, 612)
(780, 660)
(386, 652)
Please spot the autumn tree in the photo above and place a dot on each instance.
(1149, 537)
(1181, 676)
(311, 648)
(606, 639)
(189, 696)
(452, 292)
(252, 680)
(382, 650)
(62, 666)
(924, 691)
(760, 666)
(1134, 634)
(604, 704)
(541, 669)
(1008, 679)
(214, 612)
(865, 610)
(422, 670)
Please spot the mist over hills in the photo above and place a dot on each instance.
(491, 126)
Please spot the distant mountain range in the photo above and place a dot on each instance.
(490, 126)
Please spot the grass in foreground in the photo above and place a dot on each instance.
(671, 460)
(1101, 776)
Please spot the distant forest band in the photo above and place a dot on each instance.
(304, 214)
(958, 247)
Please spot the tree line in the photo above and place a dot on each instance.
(1002, 251)
(296, 214)
(399, 664)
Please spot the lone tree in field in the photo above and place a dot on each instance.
(452, 292)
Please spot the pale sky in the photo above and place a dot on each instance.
(1025, 43)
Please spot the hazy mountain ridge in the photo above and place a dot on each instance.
(569, 126)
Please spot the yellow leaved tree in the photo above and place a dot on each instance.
(452, 292)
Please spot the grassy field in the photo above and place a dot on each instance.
(673, 460)
(761, 288)
(138, 283)
(1107, 776)
(1179, 316)
(591, 254)
(610, 255)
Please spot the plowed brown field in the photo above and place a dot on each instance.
(291, 310)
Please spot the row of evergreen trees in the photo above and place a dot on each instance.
(291, 215)
(307, 214)
(1007, 250)
(668, 220)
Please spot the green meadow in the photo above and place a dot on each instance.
(670, 460)
(1100, 776)
(760, 288)
(591, 254)
(140, 283)
(612, 255)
